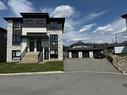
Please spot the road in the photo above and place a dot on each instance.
(70, 83)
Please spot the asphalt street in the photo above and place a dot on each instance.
(76, 83)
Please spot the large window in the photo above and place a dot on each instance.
(53, 46)
(17, 25)
(40, 21)
(28, 21)
(16, 54)
(16, 39)
(53, 25)
(54, 39)
(54, 53)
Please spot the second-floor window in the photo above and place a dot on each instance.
(53, 25)
(17, 26)
(28, 21)
(40, 21)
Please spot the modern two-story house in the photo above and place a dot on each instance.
(34, 37)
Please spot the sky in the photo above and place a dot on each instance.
(96, 21)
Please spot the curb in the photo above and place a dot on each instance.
(32, 73)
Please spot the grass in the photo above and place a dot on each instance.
(122, 54)
(20, 68)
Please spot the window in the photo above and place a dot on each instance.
(40, 21)
(54, 39)
(28, 21)
(16, 54)
(53, 53)
(53, 25)
(16, 39)
(17, 26)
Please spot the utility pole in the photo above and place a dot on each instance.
(116, 38)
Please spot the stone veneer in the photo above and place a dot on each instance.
(120, 62)
(9, 41)
(10, 47)
(60, 42)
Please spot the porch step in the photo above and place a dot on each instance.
(30, 57)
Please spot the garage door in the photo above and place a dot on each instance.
(85, 54)
(74, 54)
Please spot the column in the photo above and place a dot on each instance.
(70, 54)
(43, 53)
(35, 45)
(28, 47)
(80, 54)
(9, 41)
(91, 54)
(49, 53)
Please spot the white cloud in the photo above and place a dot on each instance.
(97, 14)
(47, 10)
(63, 11)
(87, 27)
(59, 11)
(2, 6)
(103, 29)
(18, 6)
(116, 26)
(119, 26)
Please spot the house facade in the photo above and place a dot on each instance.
(3, 44)
(34, 35)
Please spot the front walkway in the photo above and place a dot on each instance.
(89, 64)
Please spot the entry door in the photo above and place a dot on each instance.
(31, 45)
(38, 45)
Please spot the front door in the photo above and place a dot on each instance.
(31, 45)
(38, 45)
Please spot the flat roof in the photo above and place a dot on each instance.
(35, 14)
(124, 16)
(84, 49)
(13, 18)
(2, 29)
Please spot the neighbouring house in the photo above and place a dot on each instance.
(82, 50)
(3, 44)
(120, 49)
(34, 37)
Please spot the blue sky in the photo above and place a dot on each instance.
(86, 20)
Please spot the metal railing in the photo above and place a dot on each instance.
(23, 53)
(40, 55)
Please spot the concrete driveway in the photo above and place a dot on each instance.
(64, 84)
(89, 64)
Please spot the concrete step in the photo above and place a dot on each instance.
(30, 57)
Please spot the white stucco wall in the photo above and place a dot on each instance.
(33, 30)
